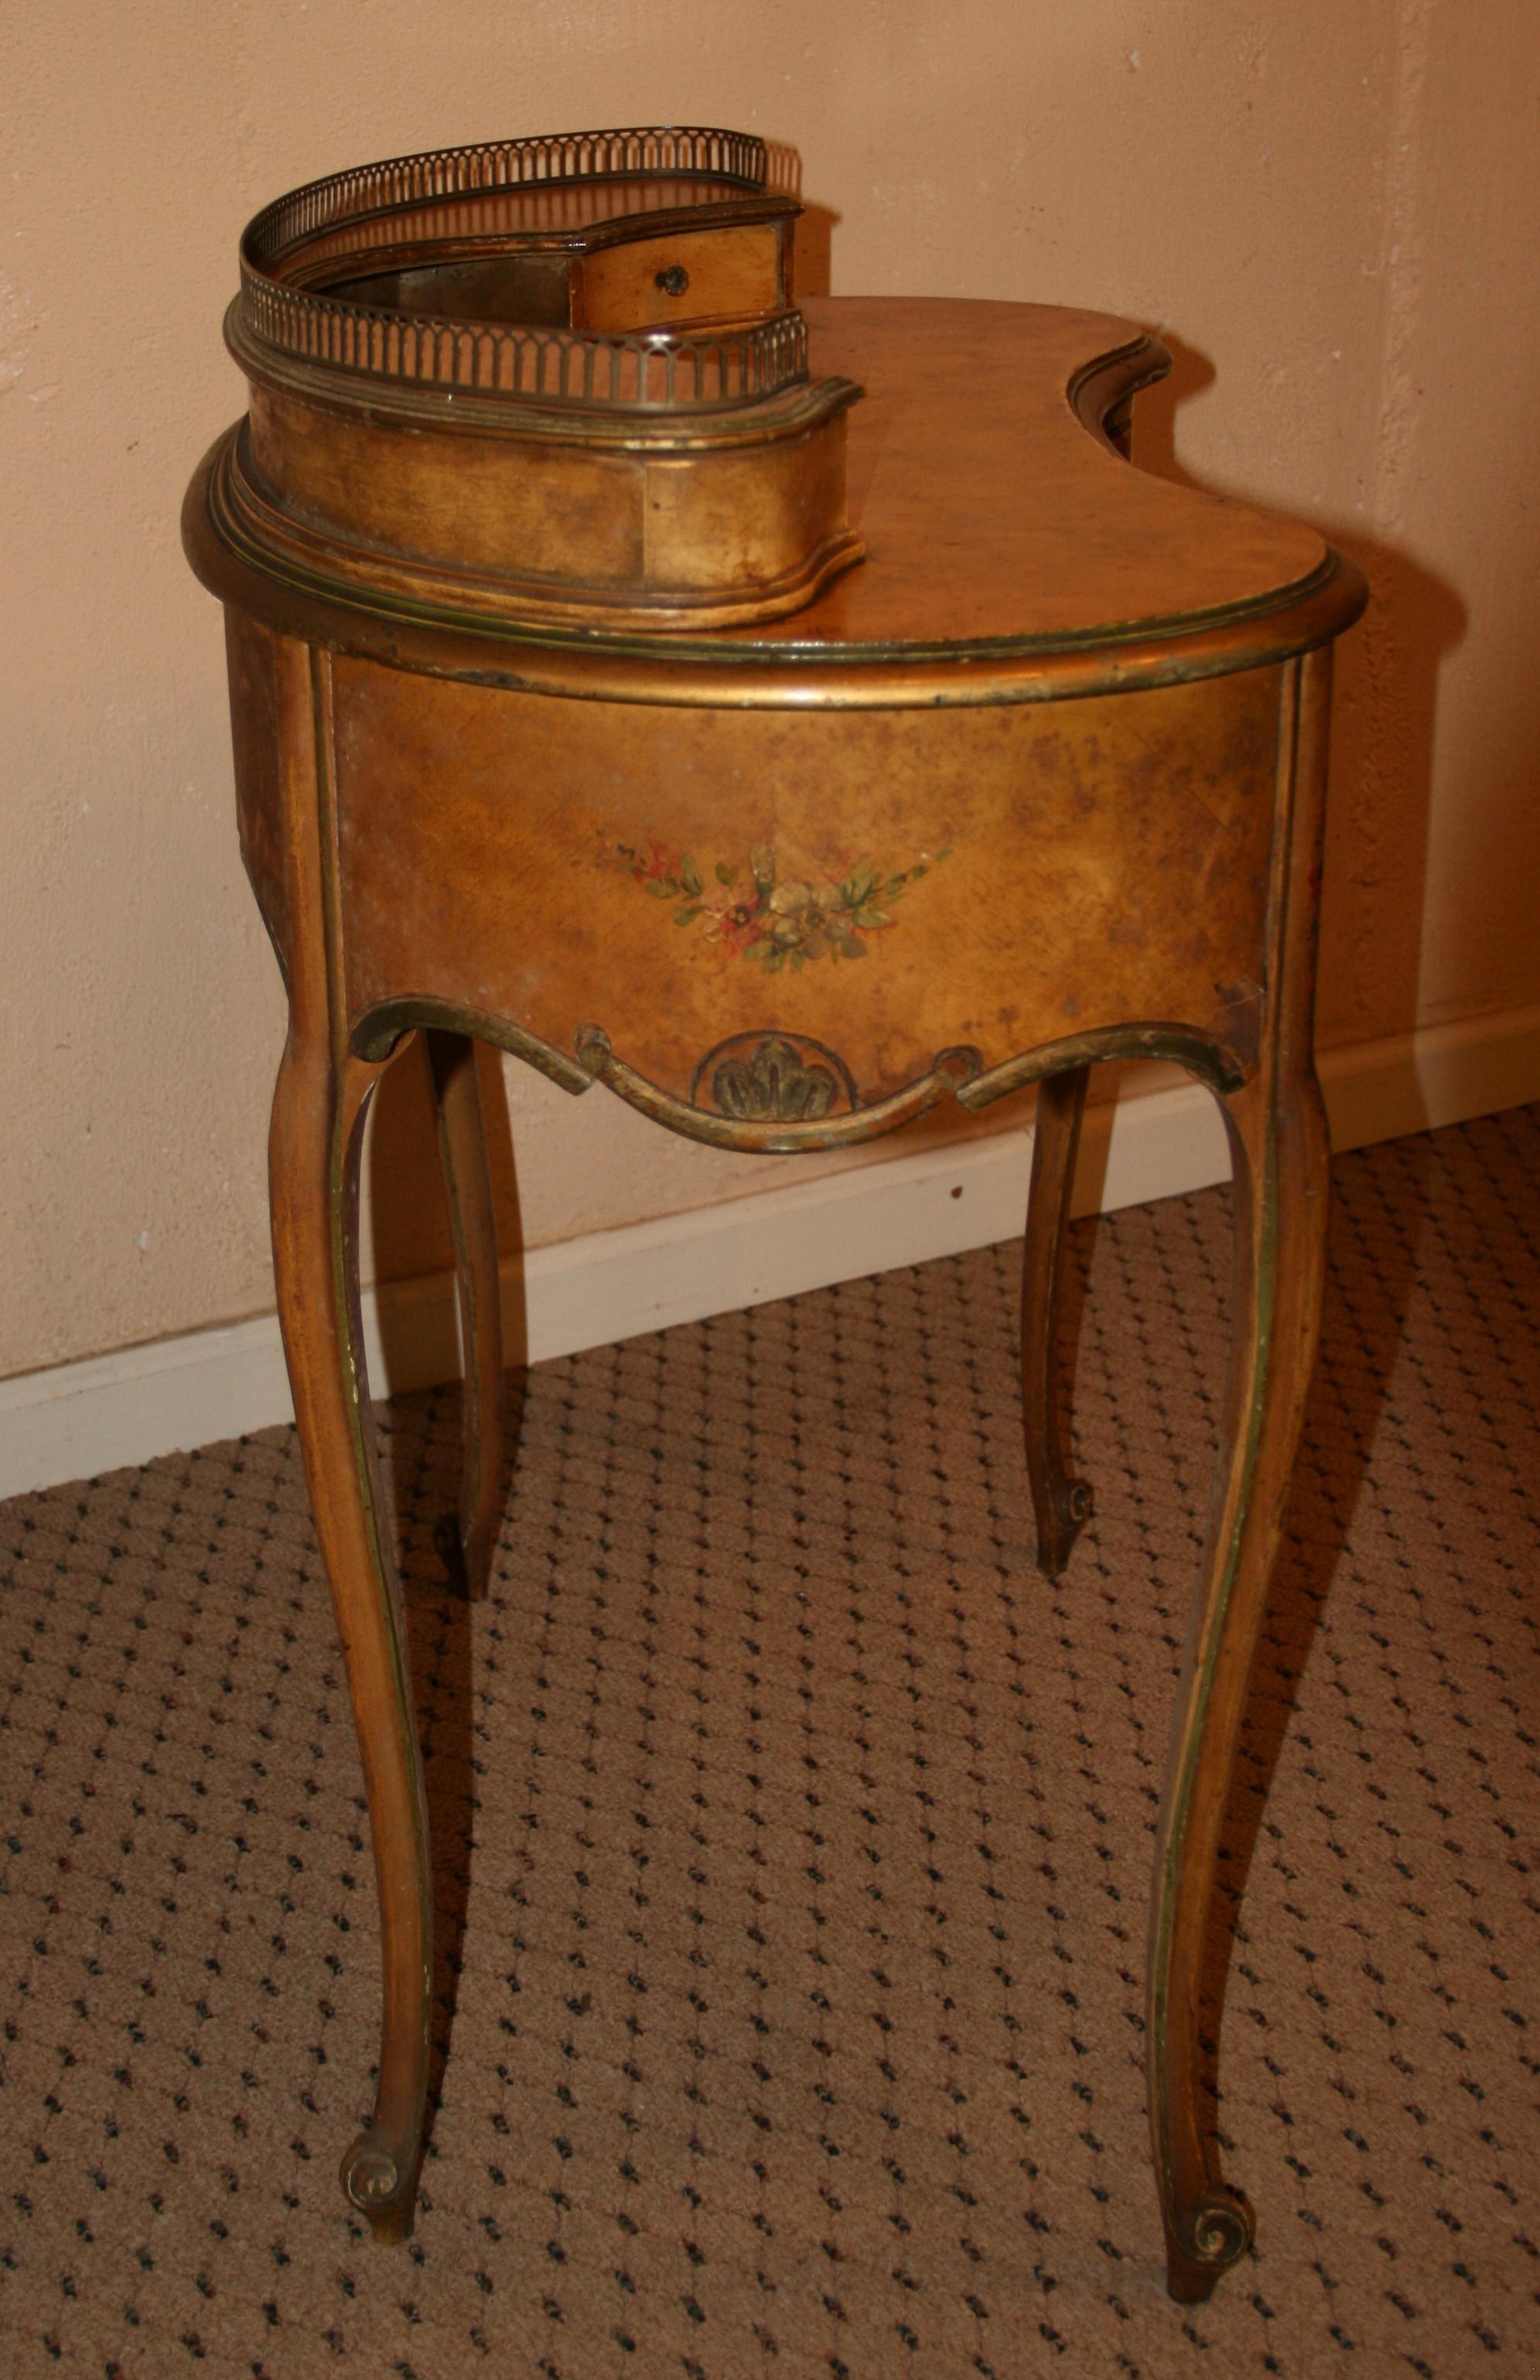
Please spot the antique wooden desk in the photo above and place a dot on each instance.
(568, 718)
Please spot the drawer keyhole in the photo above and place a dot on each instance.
(673, 281)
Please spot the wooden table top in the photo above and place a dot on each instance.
(1012, 555)
(991, 515)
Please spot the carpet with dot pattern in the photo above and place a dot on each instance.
(793, 1842)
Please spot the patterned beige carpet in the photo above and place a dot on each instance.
(794, 1844)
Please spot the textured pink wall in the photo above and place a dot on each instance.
(1331, 211)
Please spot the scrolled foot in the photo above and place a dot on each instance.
(372, 2180)
(1071, 1505)
(1214, 2235)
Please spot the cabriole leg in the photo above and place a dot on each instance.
(466, 1541)
(1279, 1153)
(1062, 1504)
(317, 1129)
(314, 1152)
(1279, 1165)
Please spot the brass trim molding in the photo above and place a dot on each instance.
(810, 1122)
(346, 215)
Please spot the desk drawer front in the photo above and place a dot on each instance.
(684, 277)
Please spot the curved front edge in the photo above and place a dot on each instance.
(1214, 1062)
(949, 1072)
(954, 1073)
(376, 1034)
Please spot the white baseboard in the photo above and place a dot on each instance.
(79, 1419)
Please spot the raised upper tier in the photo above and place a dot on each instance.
(485, 423)
(589, 340)
(659, 258)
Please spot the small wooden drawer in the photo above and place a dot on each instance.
(685, 277)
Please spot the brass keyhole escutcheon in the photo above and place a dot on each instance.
(673, 281)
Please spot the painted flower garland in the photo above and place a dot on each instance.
(749, 909)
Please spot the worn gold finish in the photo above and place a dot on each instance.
(795, 856)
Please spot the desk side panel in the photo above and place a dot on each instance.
(885, 884)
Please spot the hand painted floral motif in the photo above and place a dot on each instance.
(758, 909)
